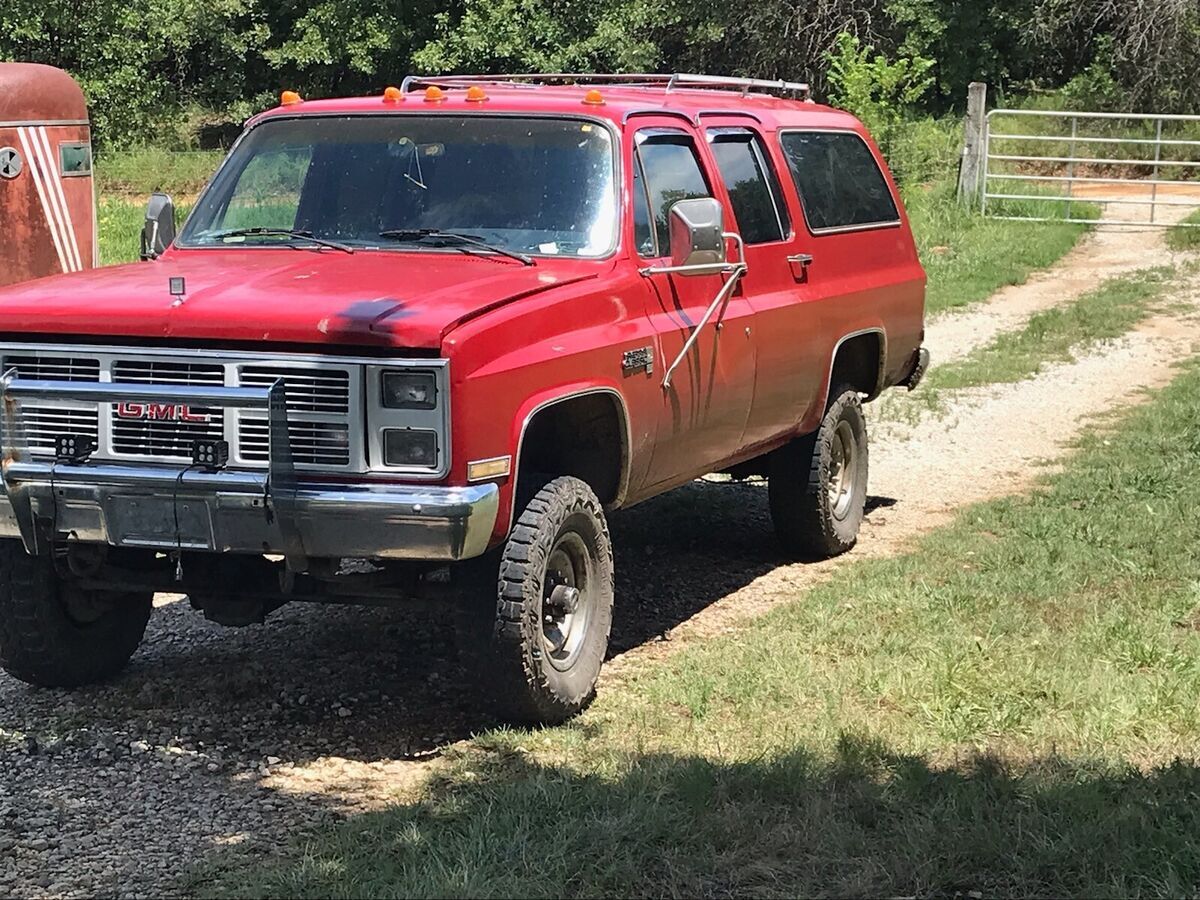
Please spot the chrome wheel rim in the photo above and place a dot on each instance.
(567, 600)
(843, 470)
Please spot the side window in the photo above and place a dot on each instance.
(268, 190)
(839, 183)
(643, 229)
(753, 188)
(672, 172)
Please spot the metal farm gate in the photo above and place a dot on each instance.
(1062, 165)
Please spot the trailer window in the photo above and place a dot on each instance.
(839, 183)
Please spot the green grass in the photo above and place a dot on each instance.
(967, 258)
(1185, 238)
(1011, 708)
(137, 173)
(1057, 334)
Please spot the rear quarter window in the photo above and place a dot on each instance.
(839, 182)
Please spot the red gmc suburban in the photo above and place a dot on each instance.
(452, 326)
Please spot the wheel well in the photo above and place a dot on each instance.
(858, 362)
(582, 436)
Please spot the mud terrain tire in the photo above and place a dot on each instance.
(539, 646)
(818, 483)
(43, 643)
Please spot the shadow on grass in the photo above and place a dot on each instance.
(867, 821)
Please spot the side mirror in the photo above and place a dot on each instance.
(697, 233)
(159, 228)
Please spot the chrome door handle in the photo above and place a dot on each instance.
(800, 258)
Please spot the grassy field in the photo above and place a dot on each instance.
(1010, 709)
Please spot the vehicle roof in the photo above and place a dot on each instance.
(619, 103)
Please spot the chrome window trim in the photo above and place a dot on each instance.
(839, 229)
(261, 119)
(757, 141)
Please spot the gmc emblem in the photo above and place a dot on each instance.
(159, 412)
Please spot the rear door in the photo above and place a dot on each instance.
(703, 413)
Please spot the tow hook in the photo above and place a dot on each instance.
(920, 367)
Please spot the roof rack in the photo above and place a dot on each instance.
(792, 89)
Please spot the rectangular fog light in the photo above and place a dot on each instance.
(410, 447)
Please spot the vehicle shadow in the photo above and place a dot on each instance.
(863, 820)
(384, 683)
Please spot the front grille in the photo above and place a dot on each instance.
(44, 423)
(143, 437)
(159, 371)
(307, 390)
(317, 443)
(53, 368)
(324, 402)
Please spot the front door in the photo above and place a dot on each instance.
(704, 410)
(790, 362)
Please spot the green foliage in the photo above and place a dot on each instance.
(549, 36)
(878, 91)
(167, 71)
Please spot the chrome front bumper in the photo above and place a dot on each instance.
(232, 511)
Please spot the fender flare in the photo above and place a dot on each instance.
(879, 372)
(538, 403)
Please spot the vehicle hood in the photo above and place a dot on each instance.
(383, 298)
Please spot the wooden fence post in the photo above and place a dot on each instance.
(970, 171)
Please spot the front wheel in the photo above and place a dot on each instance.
(544, 638)
(818, 483)
(53, 634)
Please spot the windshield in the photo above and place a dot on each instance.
(528, 185)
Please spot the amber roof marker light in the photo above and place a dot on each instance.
(290, 98)
(434, 94)
(593, 98)
(476, 94)
(392, 95)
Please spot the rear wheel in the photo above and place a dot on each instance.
(818, 483)
(538, 647)
(54, 634)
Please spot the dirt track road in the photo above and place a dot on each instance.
(217, 737)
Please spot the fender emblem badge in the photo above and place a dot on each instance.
(641, 359)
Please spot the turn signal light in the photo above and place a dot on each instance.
(476, 94)
(593, 98)
(433, 94)
(287, 98)
(392, 95)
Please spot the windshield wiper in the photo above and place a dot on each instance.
(280, 232)
(456, 237)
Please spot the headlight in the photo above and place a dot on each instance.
(410, 447)
(409, 390)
